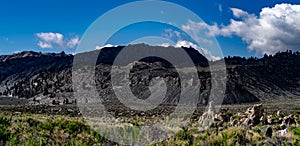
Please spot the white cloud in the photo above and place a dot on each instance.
(164, 45)
(238, 13)
(172, 34)
(193, 29)
(73, 42)
(47, 39)
(203, 51)
(44, 45)
(180, 38)
(105, 46)
(55, 40)
(275, 29)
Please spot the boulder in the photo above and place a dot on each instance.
(270, 119)
(283, 129)
(269, 132)
(278, 113)
(282, 126)
(289, 119)
(253, 115)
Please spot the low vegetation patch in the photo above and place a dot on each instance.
(227, 129)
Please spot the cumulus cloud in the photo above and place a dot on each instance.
(203, 51)
(73, 42)
(238, 13)
(274, 29)
(55, 40)
(44, 45)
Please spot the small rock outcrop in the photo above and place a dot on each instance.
(289, 120)
(208, 117)
(253, 115)
(211, 112)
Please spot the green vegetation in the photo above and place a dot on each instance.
(39, 130)
(36, 130)
(4, 129)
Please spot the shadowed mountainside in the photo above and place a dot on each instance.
(46, 77)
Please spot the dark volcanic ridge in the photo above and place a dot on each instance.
(47, 78)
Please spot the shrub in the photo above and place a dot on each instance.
(72, 127)
(184, 135)
(296, 142)
(295, 130)
(48, 125)
(4, 129)
(32, 122)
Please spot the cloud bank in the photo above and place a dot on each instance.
(56, 40)
(203, 51)
(274, 29)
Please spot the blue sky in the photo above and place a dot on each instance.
(28, 25)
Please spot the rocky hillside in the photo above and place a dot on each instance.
(46, 77)
(275, 76)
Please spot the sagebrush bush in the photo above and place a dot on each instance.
(4, 129)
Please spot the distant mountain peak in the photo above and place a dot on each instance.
(25, 54)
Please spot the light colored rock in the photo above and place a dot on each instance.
(278, 113)
(234, 122)
(283, 126)
(269, 119)
(283, 132)
(253, 115)
(262, 120)
(208, 117)
(289, 119)
(247, 121)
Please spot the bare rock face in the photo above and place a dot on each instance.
(246, 121)
(224, 116)
(289, 120)
(211, 109)
(253, 115)
(210, 114)
(208, 117)
(270, 120)
(234, 122)
(263, 119)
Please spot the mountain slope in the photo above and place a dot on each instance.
(47, 77)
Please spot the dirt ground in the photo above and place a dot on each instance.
(15, 106)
